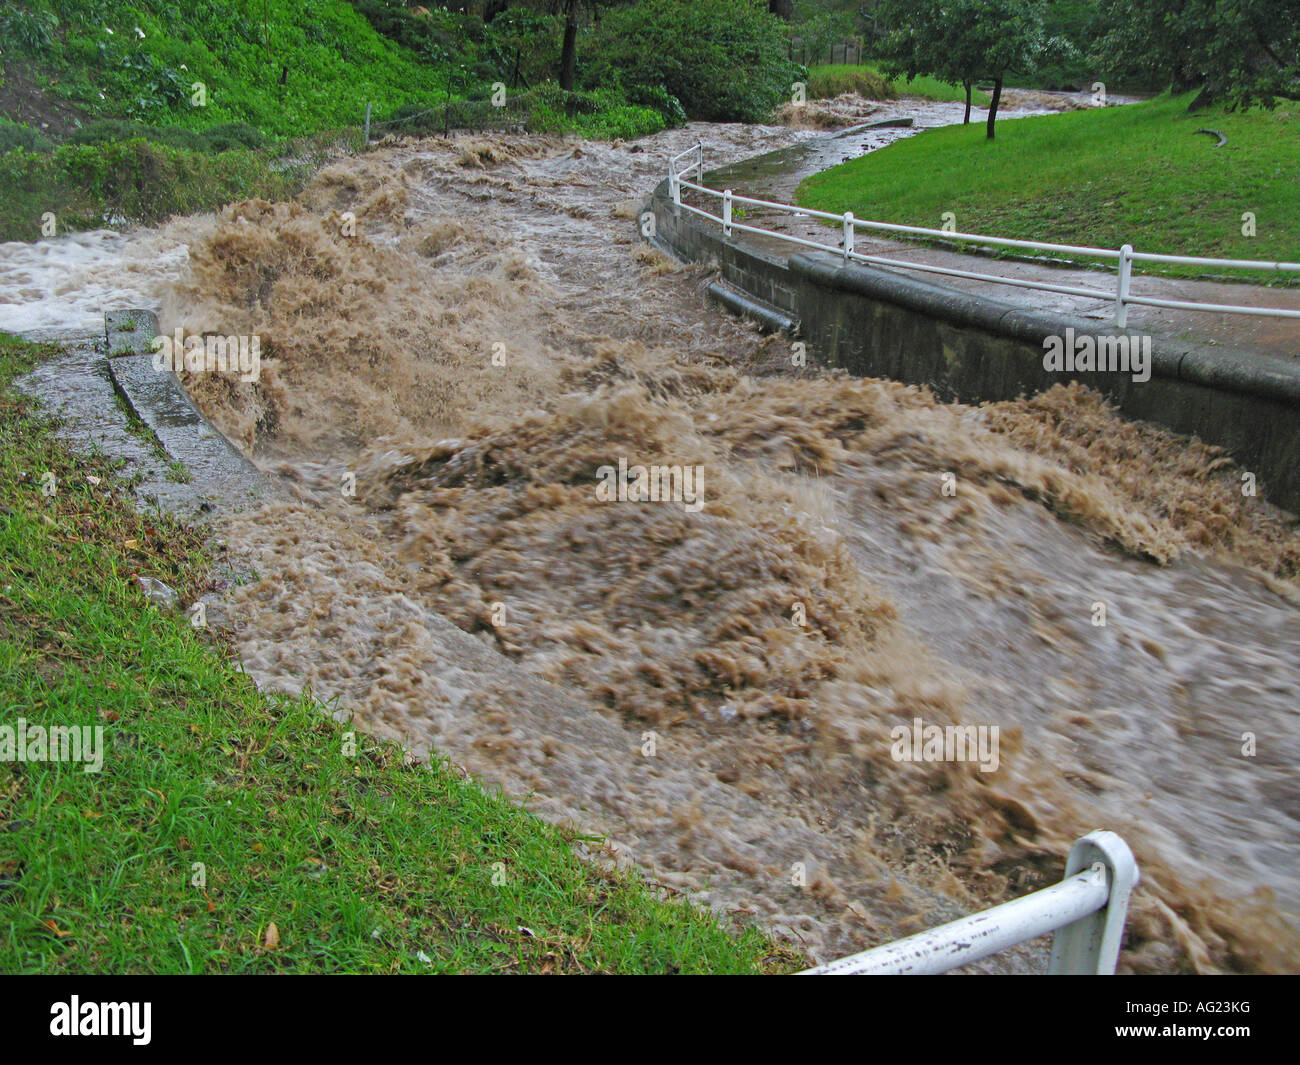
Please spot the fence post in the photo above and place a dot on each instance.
(1090, 946)
(1122, 284)
(367, 134)
(848, 235)
(726, 213)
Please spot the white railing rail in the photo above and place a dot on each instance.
(1124, 257)
(1086, 910)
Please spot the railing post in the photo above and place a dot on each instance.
(699, 162)
(1090, 946)
(849, 230)
(674, 188)
(1121, 288)
(726, 213)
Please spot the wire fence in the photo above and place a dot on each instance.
(811, 53)
(513, 114)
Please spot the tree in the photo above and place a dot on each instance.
(724, 60)
(1239, 52)
(926, 40)
(569, 50)
(964, 41)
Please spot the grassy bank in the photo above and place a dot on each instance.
(232, 832)
(287, 67)
(1139, 174)
(867, 81)
(79, 186)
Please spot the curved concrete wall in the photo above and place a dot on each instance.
(882, 323)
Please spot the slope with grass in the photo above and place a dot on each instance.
(867, 81)
(229, 831)
(1140, 174)
(287, 67)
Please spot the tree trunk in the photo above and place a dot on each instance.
(966, 121)
(569, 51)
(1203, 99)
(993, 107)
(782, 9)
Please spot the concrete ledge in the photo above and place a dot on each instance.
(1262, 375)
(884, 323)
(156, 397)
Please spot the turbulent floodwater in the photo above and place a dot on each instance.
(714, 687)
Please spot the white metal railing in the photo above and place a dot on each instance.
(1086, 910)
(1124, 257)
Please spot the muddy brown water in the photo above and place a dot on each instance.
(714, 690)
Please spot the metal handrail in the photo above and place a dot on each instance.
(1086, 910)
(1124, 256)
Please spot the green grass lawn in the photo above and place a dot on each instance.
(834, 79)
(1138, 174)
(229, 831)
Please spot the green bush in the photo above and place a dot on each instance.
(724, 60)
(660, 100)
(87, 185)
(622, 123)
(433, 36)
(30, 32)
(13, 135)
(229, 136)
(603, 114)
(522, 42)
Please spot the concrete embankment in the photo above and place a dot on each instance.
(883, 323)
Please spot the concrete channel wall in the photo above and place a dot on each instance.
(882, 323)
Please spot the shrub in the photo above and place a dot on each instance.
(86, 185)
(622, 123)
(14, 136)
(432, 36)
(231, 135)
(660, 100)
(226, 137)
(105, 130)
(30, 32)
(724, 60)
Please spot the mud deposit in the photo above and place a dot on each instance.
(471, 333)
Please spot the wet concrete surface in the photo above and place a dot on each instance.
(93, 395)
